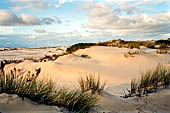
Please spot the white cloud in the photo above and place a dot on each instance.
(31, 37)
(61, 2)
(7, 30)
(28, 4)
(18, 5)
(58, 20)
(8, 18)
(135, 2)
(29, 19)
(64, 1)
(139, 6)
(40, 30)
(101, 16)
(37, 4)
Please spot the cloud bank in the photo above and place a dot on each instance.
(8, 18)
(102, 16)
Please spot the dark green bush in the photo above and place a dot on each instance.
(75, 47)
(163, 42)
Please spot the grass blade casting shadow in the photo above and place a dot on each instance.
(150, 81)
(92, 84)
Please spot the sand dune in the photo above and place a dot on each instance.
(110, 63)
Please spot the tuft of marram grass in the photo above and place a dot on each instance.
(150, 81)
(91, 83)
(45, 92)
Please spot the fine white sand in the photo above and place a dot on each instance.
(110, 64)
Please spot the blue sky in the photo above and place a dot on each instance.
(36, 23)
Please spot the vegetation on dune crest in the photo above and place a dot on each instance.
(45, 92)
(75, 47)
(150, 81)
(153, 44)
(163, 42)
(132, 45)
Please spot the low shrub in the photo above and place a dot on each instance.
(75, 47)
(149, 45)
(163, 42)
(132, 45)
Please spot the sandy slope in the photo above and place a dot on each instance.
(109, 62)
(14, 104)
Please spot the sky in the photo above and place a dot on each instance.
(37, 23)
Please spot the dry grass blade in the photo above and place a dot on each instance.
(134, 86)
(91, 83)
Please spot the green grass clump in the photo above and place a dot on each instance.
(78, 46)
(91, 83)
(45, 92)
(150, 81)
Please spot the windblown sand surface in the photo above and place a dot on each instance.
(154, 103)
(110, 63)
(14, 104)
